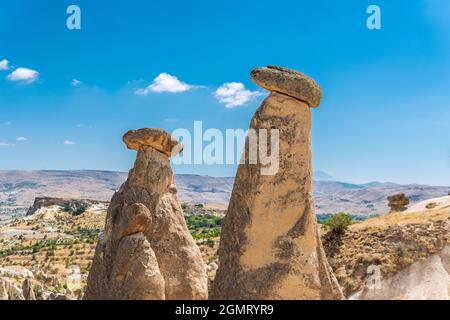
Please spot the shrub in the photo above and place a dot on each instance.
(210, 243)
(401, 249)
(38, 292)
(338, 222)
(80, 210)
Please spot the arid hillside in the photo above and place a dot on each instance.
(18, 189)
(396, 256)
(55, 246)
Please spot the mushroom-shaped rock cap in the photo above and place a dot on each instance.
(289, 82)
(154, 138)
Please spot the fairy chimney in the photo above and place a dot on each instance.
(270, 246)
(146, 251)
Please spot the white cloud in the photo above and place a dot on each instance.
(234, 94)
(4, 144)
(4, 64)
(21, 139)
(69, 142)
(75, 83)
(166, 83)
(23, 74)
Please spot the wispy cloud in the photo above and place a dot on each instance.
(75, 83)
(4, 144)
(5, 124)
(4, 64)
(21, 139)
(24, 75)
(69, 142)
(166, 83)
(234, 94)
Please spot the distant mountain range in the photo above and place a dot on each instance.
(19, 188)
(322, 175)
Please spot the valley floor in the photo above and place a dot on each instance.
(55, 247)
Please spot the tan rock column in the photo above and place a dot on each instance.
(270, 246)
(27, 290)
(146, 251)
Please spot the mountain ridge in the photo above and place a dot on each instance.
(19, 188)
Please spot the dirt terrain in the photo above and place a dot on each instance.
(56, 246)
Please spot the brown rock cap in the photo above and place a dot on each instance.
(289, 82)
(155, 138)
(398, 202)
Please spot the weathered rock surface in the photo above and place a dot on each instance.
(289, 82)
(27, 290)
(398, 202)
(385, 248)
(424, 280)
(74, 206)
(9, 291)
(154, 138)
(270, 246)
(58, 297)
(146, 251)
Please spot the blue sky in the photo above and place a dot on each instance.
(385, 114)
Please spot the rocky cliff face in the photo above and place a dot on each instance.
(16, 283)
(73, 206)
(270, 248)
(146, 251)
(9, 291)
(428, 279)
(401, 255)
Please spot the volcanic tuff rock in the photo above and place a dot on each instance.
(398, 202)
(289, 82)
(154, 138)
(270, 246)
(146, 250)
(27, 290)
(74, 206)
(427, 279)
(402, 255)
(9, 291)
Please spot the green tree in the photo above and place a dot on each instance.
(338, 222)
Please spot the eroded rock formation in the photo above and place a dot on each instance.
(398, 202)
(394, 256)
(27, 290)
(9, 291)
(73, 206)
(270, 246)
(427, 279)
(146, 250)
